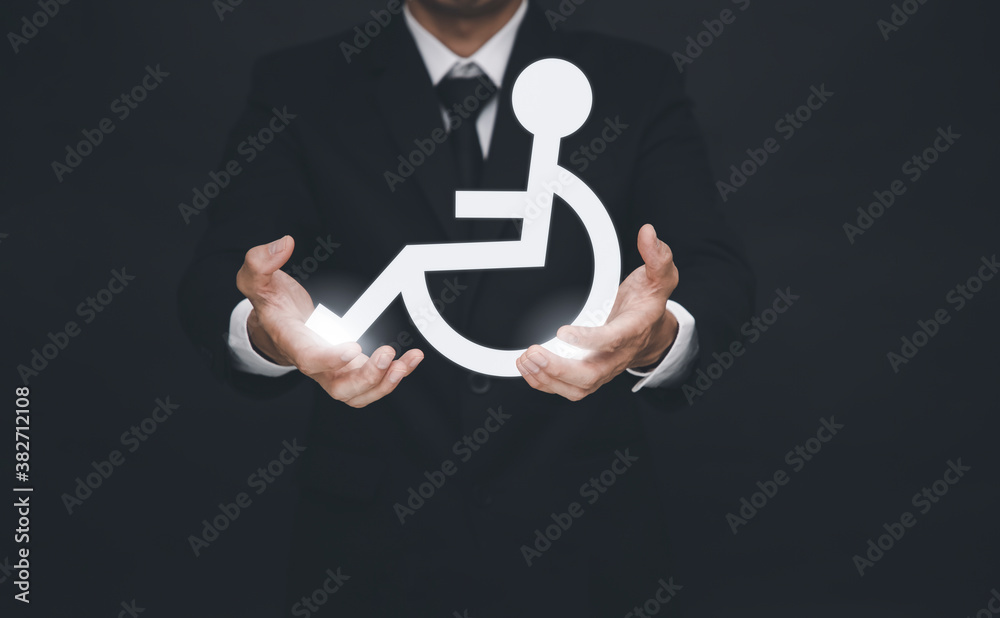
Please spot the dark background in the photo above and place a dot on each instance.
(825, 357)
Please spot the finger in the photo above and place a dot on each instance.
(398, 370)
(573, 379)
(553, 368)
(609, 338)
(261, 262)
(354, 382)
(655, 254)
(530, 378)
(405, 365)
(308, 351)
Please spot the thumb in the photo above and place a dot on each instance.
(655, 254)
(262, 262)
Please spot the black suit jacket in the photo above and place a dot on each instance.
(324, 177)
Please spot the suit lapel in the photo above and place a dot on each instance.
(410, 110)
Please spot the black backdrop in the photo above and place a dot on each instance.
(825, 357)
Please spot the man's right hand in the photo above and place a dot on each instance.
(277, 327)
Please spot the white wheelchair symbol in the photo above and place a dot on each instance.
(551, 99)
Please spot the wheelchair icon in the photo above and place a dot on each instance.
(552, 99)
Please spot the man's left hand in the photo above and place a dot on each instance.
(637, 333)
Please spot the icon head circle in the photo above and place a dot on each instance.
(552, 97)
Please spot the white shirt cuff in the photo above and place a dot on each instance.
(677, 363)
(245, 358)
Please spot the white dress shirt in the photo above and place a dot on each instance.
(490, 59)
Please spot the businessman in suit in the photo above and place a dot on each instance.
(431, 489)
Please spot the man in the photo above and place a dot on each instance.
(433, 490)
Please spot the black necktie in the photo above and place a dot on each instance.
(464, 99)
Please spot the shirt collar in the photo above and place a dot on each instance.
(491, 58)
